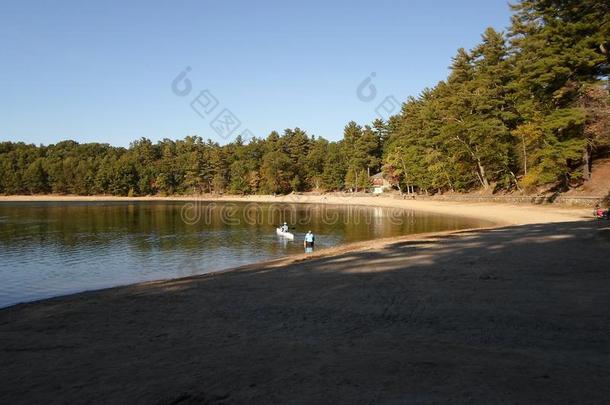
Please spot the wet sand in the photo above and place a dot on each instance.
(515, 314)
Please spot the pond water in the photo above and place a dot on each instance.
(56, 248)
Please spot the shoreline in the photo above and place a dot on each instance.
(498, 213)
(415, 318)
(288, 260)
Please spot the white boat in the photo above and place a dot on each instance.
(287, 235)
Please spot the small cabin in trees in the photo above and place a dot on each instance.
(380, 184)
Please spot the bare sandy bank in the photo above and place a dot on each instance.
(501, 214)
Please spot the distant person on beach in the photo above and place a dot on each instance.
(599, 212)
(309, 240)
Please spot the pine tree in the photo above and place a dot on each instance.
(558, 49)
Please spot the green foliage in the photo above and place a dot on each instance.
(528, 108)
(507, 111)
(335, 168)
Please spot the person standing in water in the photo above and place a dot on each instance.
(309, 240)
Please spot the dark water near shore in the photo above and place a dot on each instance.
(56, 248)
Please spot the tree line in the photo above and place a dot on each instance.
(525, 109)
(280, 163)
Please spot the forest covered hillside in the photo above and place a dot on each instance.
(524, 110)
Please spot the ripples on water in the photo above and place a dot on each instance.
(51, 249)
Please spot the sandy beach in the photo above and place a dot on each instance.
(516, 313)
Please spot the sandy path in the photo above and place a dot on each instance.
(517, 314)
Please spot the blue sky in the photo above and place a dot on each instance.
(102, 71)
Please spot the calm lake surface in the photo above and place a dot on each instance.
(56, 248)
